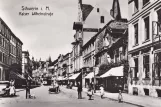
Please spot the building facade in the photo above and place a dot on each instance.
(10, 50)
(144, 50)
(85, 30)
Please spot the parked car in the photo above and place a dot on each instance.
(3, 86)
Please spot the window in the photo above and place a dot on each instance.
(145, 2)
(159, 18)
(4, 42)
(1, 40)
(136, 67)
(146, 31)
(146, 65)
(157, 62)
(1, 56)
(136, 6)
(116, 55)
(102, 19)
(98, 10)
(2, 28)
(136, 33)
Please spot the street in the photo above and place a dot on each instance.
(66, 98)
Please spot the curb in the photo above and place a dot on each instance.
(20, 90)
(117, 100)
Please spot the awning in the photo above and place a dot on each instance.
(117, 71)
(91, 75)
(14, 75)
(51, 67)
(73, 77)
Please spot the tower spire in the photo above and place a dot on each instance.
(115, 11)
(80, 10)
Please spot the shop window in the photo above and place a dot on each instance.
(136, 67)
(136, 34)
(136, 6)
(146, 65)
(146, 30)
(145, 2)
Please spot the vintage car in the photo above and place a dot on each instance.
(4, 85)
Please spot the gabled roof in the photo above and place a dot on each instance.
(86, 10)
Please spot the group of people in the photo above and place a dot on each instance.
(10, 90)
(90, 91)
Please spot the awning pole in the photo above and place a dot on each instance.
(94, 82)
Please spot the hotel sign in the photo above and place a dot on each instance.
(90, 30)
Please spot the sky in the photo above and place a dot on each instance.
(45, 36)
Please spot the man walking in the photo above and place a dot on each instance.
(27, 89)
(79, 89)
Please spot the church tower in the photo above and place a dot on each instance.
(115, 11)
(80, 19)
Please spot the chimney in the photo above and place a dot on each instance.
(115, 11)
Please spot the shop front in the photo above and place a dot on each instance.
(113, 80)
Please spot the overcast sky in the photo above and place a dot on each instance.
(44, 35)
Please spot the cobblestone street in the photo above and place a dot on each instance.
(67, 98)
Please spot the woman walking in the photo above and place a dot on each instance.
(101, 91)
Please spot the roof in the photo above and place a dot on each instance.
(86, 10)
(95, 36)
(11, 32)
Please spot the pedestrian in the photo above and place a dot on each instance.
(79, 89)
(27, 90)
(120, 98)
(89, 94)
(101, 91)
(12, 90)
(56, 86)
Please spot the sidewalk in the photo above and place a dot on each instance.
(142, 101)
(18, 90)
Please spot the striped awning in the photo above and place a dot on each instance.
(14, 75)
